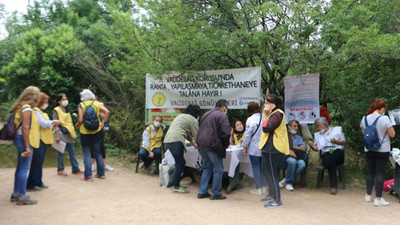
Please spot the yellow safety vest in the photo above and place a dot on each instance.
(236, 140)
(281, 139)
(66, 121)
(155, 139)
(46, 134)
(34, 131)
(96, 106)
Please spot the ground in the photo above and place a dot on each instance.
(125, 197)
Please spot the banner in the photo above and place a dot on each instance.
(237, 86)
(302, 98)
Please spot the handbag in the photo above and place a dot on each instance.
(63, 130)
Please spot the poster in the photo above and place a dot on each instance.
(237, 86)
(302, 98)
(394, 116)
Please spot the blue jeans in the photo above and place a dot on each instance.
(74, 163)
(294, 168)
(177, 150)
(212, 166)
(21, 172)
(94, 148)
(36, 171)
(144, 155)
(259, 180)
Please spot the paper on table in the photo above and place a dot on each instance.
(59, 146)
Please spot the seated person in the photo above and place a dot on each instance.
(297, 159)
(237, 134)
(330, 142)
(151, 143)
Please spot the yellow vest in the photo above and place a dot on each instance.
(155, 139)
(66, 121)
(46, 135)
(236, 140)
(281, 139)
(34, 131)
(96, 106)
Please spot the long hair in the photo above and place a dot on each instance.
(58, 98)
(252, 108)
(376, 104)
(42, 99)
(193, 110)
(29, 96)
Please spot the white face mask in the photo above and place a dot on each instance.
(293, 131)
(64, 103)
(226, 111)
(156, 123)
(44, 106)
(322, 131)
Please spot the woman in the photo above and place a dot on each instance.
(237, 134)
(250, 146)
(91, 138)
(151, 143)
(26, 138)
(46, 138)
(66, 133)
(184, 126)
(377, 160)
(274, 145)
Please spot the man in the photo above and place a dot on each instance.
(213, 139)
(330, 142)
(296, 161)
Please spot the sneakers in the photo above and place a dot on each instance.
(206, 195)
(14, 197)
(266, 199)
(45, 186)
(78, 172)
(93, 167)
(367, 198)
(25, 200)
(101, 177)
(381, 202)
(218, 197)
(141, 165)
(181, 189)
(333, 191)
(289, 187)
(282, 183)
(109, 168)
(256, 191)
(36, 188)
(273, 204)
(264, 190)
(62, 173)
(90, 179)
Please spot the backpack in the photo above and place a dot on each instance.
(9, 130)
(370, 137)
(90, 119)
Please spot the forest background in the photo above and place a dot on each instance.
(110, 45)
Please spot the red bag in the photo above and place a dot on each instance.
(387, 185)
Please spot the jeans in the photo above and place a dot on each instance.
(177, 150)
(24, 163)
(212, 166)
(270, 166)
(74, 163)
(376, 163)
(144, 155)
(256, 165)
(330, 161)
(95, 148)
(36, 171)
(294, 168)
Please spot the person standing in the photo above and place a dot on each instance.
(27, 137)
(377, 160)
(65, 132)
(250, 146)
(183, 127)
(35, 182)
(91, 139)
(274, 145)
(213, 139)
(297, 159)
(151, 143)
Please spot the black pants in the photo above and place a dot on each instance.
(376, 163)
(271, 162)
(330, 161)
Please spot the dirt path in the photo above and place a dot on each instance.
(128, 198)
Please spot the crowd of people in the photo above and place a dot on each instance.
(35, 130)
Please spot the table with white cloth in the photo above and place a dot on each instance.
(234, 163)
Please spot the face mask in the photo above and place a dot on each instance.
(198, 117)
(64, 103)
(44, 106)
(293, 131)
(383, 113)
(156, 123)
(226, 111)
(322, 131)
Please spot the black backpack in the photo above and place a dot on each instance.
(90, 119)
(9, 130)
(370, 137)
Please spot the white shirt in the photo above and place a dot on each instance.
(382, 126)
(20, 119)
(251, 130)
(323, 141)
